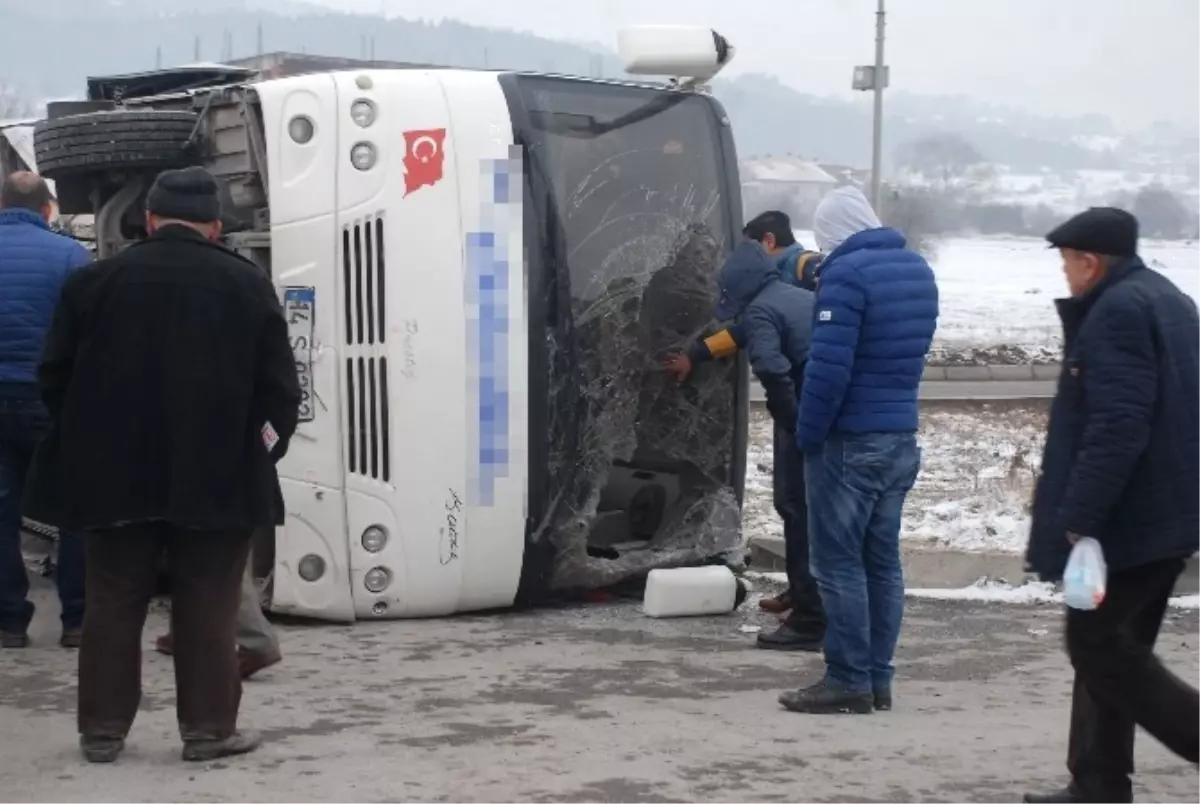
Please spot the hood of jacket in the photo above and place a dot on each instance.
(880, 239)
(842, 213)
(745, 273)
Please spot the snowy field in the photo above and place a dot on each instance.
(997, 295)
(975, 484)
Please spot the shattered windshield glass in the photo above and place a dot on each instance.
(630, 191)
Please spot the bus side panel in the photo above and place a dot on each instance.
(491, 193)
(302, 180)
(405, 345)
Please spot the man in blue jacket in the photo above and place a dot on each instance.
(776, 321)
(797, 266)
(1122, 466)
(34, 263)
(876, 312)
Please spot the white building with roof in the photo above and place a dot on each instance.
(788, 183)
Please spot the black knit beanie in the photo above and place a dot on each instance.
(186, 195)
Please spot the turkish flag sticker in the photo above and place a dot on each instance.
(424, 158)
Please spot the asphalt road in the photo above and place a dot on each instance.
(590, 704)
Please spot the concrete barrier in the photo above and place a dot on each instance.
(927, 568)
(1047, 372)
(998, 373)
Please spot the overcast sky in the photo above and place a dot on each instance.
(1135, 60)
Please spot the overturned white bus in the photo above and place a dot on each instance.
(481, 272)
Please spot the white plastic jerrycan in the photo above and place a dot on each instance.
(690, 592)
(1086, 575)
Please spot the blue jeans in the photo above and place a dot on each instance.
(856, 490)
(23, 422)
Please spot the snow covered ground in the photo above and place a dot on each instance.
(997, 295)
(975, 484)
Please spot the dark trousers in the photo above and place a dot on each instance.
(791, 503)
(1120, 683)
(206, 577)
(23, 423)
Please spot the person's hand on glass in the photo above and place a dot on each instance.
(678, 366)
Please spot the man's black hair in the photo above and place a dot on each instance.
(771, 222)
(25, 191)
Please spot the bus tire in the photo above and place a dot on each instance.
(100, 142)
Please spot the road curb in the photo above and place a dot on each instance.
(999, 372)
(929, 568)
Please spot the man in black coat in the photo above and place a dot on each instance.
(1121, 465)
(173, 390)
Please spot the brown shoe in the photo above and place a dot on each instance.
(165, 644)
(71, 638)
(777, 605)
(236, 744)
(251, 661)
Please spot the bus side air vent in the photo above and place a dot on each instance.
(368, 448)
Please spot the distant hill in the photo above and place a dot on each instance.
(47, 49)
(771, 118)
(50, 49)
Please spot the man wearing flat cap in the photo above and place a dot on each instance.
(173, 391)
(1122, 466)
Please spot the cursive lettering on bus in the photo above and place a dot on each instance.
(411, 329)
(448, 546)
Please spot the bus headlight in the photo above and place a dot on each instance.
(311, 568)
(377, 579)
(301, 130)
(363, 156)
(374, 539)
(362, 112)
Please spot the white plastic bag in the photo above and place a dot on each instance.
(1086, 576)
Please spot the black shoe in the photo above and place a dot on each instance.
(13, 639)
(240, 742)
(883, 699)
(786, 637)
(823, 698)
(101, 749)
(71, 638)
(1065, 796)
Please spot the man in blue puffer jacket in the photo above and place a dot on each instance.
(776, 321)
(876, 312)
(34, 263)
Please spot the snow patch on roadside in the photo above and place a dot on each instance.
(976, 481)
(988, 591)
(977, 476)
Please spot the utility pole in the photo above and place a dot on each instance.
(196, 49)
(875, 79)
(158, 58)
(259, 38)
(880, 81)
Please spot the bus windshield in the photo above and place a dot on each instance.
(630, 213)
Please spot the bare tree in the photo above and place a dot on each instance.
(913, 211)
(947, 161)
(1162, 214)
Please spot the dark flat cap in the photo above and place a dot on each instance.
(189, 195)
(1100, 230)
